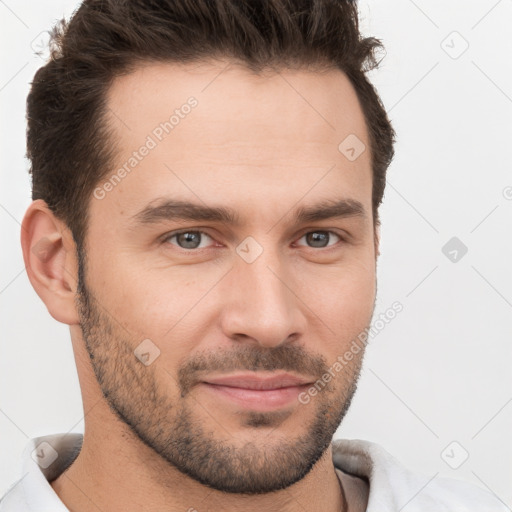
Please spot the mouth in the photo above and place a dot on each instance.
(255, 392)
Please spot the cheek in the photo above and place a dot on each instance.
(343, 299)
(156, 303)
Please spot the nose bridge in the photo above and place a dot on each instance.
(261, 304)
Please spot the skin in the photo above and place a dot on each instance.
(262, 146)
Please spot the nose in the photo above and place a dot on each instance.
(261, 304)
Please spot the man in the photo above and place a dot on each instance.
(206, 184)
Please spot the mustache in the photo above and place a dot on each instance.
(291, 357)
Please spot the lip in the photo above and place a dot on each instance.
(255, 382)
(257, 393)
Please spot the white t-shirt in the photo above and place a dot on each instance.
(371, 478)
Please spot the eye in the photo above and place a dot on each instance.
(194, 239)
(189, 239)
(319, 239)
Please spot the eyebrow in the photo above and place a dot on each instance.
(172, 209)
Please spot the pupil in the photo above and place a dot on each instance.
(318, 238)
(188, 240)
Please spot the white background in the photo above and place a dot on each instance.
(440, 371)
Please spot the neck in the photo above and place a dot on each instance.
(115, 471)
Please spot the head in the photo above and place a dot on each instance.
(207, 178)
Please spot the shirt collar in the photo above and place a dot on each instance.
(44, 458)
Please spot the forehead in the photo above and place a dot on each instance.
(213, 128)
(309, 103)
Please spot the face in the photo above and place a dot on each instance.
(237, 247)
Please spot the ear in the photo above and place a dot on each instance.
(49, 253)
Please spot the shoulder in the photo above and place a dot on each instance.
(394, 487)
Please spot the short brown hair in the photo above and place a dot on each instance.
(68, 142)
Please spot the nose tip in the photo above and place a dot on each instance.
(261, 307)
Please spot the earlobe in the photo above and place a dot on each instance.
(49, 253)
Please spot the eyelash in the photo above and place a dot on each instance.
(174, 234)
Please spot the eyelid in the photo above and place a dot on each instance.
(172, 234)
(320, 230)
